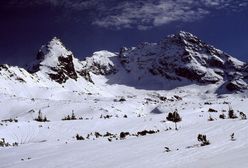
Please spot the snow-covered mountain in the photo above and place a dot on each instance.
(185, 56)
(109, 110)
(177, 58)
(58, 63)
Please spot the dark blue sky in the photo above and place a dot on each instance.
(86, 26)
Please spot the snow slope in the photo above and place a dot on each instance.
(130, 91)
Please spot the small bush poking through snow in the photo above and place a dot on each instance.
(97, 134)
(210, 118)
(78, 137)
(203, 139)
(3, 143)
(174, 117)
(10, 120)
(167, 149)
(124, 134)
(40, 118)
(122, 99)
(232, 137)
(106, 117)
(212, 110)
(242, 116)
(222, 116)
(231, 113)
(70, 117)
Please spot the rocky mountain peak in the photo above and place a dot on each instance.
(100, 63)
(56, 61)
(185, 56)
(184, 35)
(49, 54)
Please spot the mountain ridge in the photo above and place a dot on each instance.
(178, 57)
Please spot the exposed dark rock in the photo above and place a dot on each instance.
(124, 134)
(3, 66)
(216, 62)
(189, 73)
(20, 80)
(143, 133)
(64, 70)
(58, 76)
(212, 110)
(66, 64)
(236, 85)
(85, 73)
(102, 69)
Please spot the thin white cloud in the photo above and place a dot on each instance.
(146, 14)
(140, 14)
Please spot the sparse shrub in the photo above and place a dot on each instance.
(40, 117)
(107, 134)
(107, 116)
(10, 120)
(15, 144)
(231, 113)
(45, 119)
(78, 137)
(242, 116)
(162, 98)
(212, 110)
(208, 103)
(232, 137)
(144, 132)
(67, 118)
(3, 143)
(210, 118)
(222, 116)
(97, 134)
(178, 97)
(174, 117)
(70, 117)
(167, 149)
(122, 99)
(203, 139)
(124, 134)
(73, 117)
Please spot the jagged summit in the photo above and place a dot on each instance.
(183, 34)
(56, 61)
(48, 55)
(59, 63)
